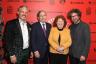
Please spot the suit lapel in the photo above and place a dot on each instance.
(29, 29)
(18, 26)
(41, 30)
(47, 30)
(78, 29)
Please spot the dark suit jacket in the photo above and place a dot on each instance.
(80, 34)
(13, 37)
(38, 40)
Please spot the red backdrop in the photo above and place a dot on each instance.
(53, 8)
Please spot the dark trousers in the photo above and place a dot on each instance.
(58, 58)
(41, 60)
(22, 58)
(74, 60)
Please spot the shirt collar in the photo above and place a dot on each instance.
(22, 22)
(42, 23)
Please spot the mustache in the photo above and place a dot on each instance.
(24, 15)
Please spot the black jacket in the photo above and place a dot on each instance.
(13, 37)
(38, 40)
(80, 34)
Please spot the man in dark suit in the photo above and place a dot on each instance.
(80, 34)
(39, 38)
(16, 37)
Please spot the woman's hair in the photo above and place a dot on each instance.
(59, 17)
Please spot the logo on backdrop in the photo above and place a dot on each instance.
(88, 11)
(10, 10)
(62, 1)
(13, 0)
(92, 2)
(95, 11)
(24, 1)
(77, 2)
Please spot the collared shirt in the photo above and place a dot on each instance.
(24, 30)
(42, 24)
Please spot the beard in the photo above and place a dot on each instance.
(76, 21)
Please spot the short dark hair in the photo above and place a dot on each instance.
(38, 13)
(56, 19)
(74, 11)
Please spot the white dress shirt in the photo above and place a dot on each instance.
(42, 24)
(24, 30)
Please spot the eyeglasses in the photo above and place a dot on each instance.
(74, 16)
